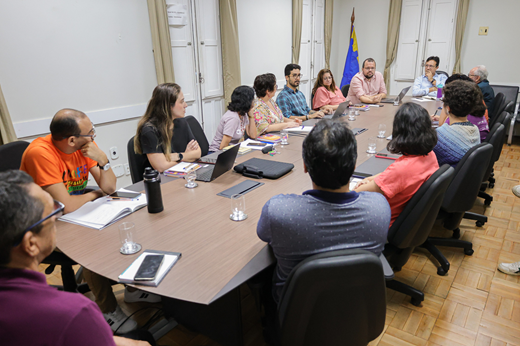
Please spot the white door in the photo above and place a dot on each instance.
(306, 50)
(441, 28)
(318, 48)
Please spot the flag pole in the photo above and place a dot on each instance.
(352, 18)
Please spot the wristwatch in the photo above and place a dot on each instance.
(105, 167)
(180, 157)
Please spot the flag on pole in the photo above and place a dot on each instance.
(352, 62)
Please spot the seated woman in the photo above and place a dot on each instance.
(163, 135)
(268, 117)
(326, 94)
(478, 116)
(414, 138)
(236, 121)
(458, 135)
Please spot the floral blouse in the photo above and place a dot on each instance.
(264, 116)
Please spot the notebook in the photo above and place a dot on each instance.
(170, 258)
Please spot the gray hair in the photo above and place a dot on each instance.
(482, 72)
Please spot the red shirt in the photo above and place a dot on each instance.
(401, 180)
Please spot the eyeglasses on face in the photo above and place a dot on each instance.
(91, 133)
(327, 78)
(297, 75)
(430, 66)
(58, 211)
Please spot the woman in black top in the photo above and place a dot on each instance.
(163, 134)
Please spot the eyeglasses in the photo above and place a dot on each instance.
(369, 68)
(92, 133)
(297, 75)
(430, 66)
(327, 78)
(58, 211)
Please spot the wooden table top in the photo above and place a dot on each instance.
(196, 223)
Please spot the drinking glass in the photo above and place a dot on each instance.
(238, 207)
(285, 137)
(127, 237)
(372, 144)
(190, 180)
(356, 112)
(382, 130)
(352, 115)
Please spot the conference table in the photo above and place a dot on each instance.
(218, 254)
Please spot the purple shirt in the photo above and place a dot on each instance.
(232, 125)
(33, 313)
(481, 123)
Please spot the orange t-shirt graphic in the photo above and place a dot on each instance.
(48, 165)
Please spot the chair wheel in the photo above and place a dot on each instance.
(479, 223)
(469, 252)
(487, 202)
(50, 269)
(441, 271)
(416, 301)
(456, 233)
(491, 185)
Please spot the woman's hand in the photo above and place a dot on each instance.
(192, 146)
(362, 182)
(291, 124)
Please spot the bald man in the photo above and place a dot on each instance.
(60, 163)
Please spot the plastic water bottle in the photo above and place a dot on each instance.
(439, 92)
(152, 187)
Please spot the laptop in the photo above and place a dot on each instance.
(399, 97)
(339, 111)
(224, 163)
(210, 158)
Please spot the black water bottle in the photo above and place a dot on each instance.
(152, 186)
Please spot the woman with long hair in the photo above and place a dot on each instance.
(326, 93)
(163, 135)
(414, 138)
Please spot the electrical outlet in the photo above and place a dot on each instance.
(483, 30)
(127, 169)
(119, 171)
(114, 154)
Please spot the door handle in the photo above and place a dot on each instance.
(429, 39)
(202, 42)
(189, 43)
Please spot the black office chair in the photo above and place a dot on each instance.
(136, 162)
(11, 155)
(443, 73)
(458, 200)
(511, 95)
(413, 225)
(198, 132)
(499, 104)
(333, 298)
(344, 90)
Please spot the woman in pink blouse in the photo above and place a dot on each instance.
(268, 116)
(325, 92)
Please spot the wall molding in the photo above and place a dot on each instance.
(41, 126)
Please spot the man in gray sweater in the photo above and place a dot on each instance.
(330, 216)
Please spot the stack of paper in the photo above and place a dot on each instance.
(300, 129)
(183, 167)
(104, 211)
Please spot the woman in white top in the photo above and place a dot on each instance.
(266, 113)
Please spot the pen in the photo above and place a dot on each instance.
(303, 127)
(438, 109)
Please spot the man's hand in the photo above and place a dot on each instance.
(327, 109)
(192, 146)
(93, 152)
(429, 75)
(316, 115)
(377, 98)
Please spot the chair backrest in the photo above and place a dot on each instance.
(463, 190)
(498, 119)
(442, 72)
(499, 104)
(510, 92)
(507, 121)
(198, 132)
(334, 298)
(413, 225)
(11, 155)
(136, 162)
(344, 90)
(496, 138)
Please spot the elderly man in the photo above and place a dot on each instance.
(479, 75)
(34, 313)
(367, 86)
(427, 84)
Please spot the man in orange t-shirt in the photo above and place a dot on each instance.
(60, 163)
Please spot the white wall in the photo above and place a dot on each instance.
(95, 56)
(265, 38)
(499, 50)
(371, 26)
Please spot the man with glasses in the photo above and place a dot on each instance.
(292, 101)
(367, 86)
(60, 163)
(479, 75)
(428, 83)
(33, 312)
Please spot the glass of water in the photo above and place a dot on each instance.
(372, 144)
(238, 207)
(190, 180)
(352, 115)
(382, 131)
(285, 137)
(127, 239)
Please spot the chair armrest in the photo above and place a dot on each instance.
(389, 273)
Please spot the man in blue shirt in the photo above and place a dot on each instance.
(292, 101)
(330, 216)
(427, 84)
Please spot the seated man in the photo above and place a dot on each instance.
(479, 75)
(34, 313)
(328, 217)
(367, 86)
(292, 101)
(60, 163)
(428, 83)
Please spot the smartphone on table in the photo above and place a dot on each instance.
(149, 268)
